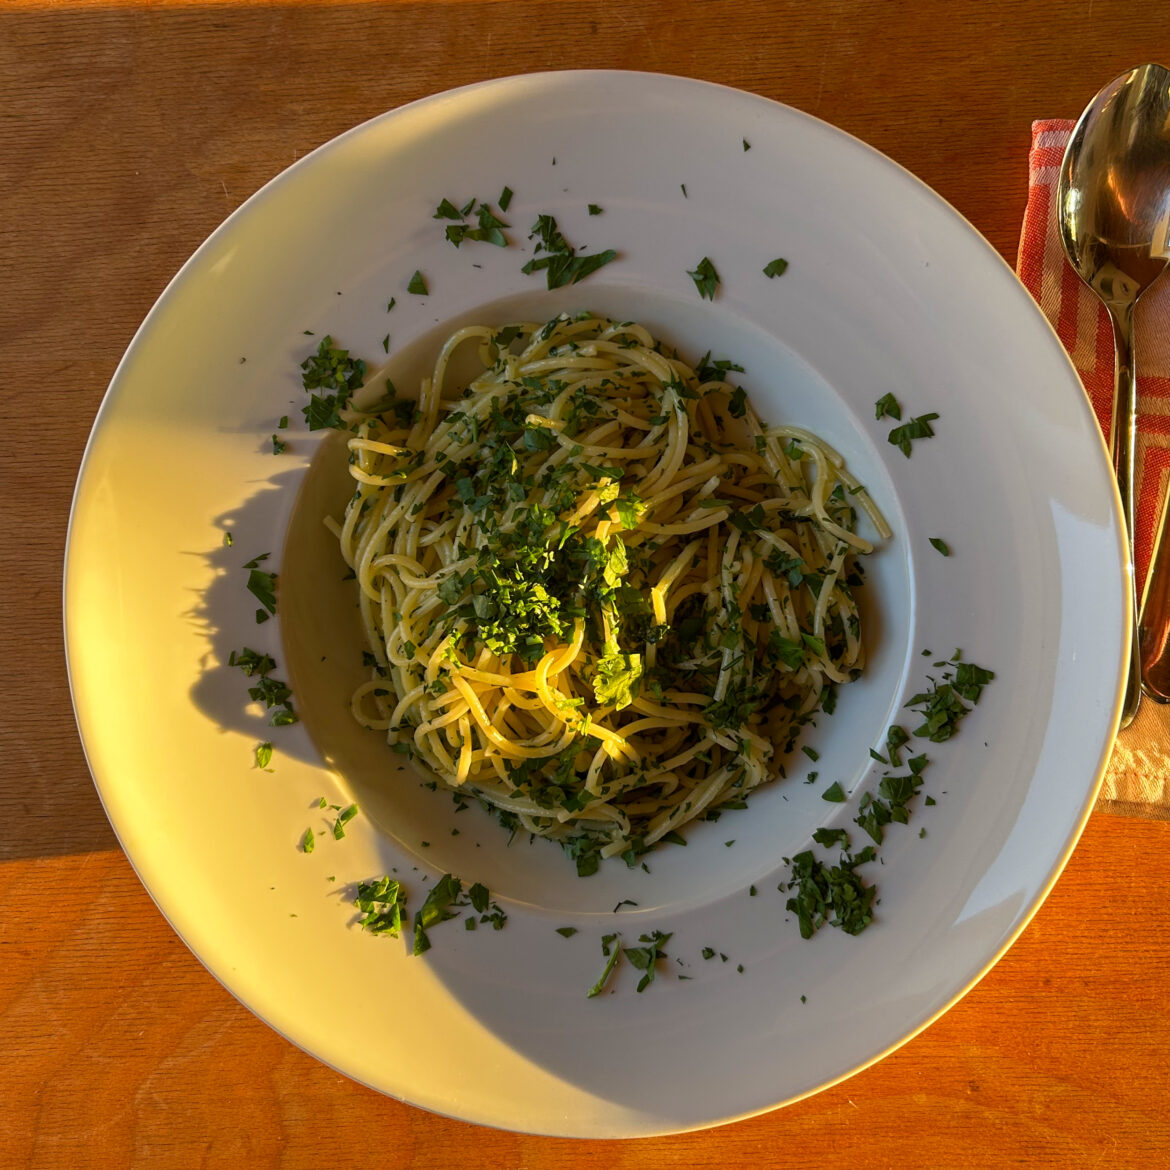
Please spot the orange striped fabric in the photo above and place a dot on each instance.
(1084, 328)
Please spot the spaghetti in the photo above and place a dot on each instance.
(599, 596)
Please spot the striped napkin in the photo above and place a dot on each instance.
(1138, 779)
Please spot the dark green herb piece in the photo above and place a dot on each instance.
(895, 738)
(746, 145)
(487, 910)
(283, 422)
(251, 662)
(775, 268)
(833, 894)
(262, 586)
(610, 948)
(943, 706)
(706, 278)
(594, 209)
(566, 931)
(272, 692)
(392, 303)
(263, 753)
(815, 644)
(834, 793)
(417, 284)
(438, 907)
(708, 952)
(382, 903)
(830, 837)
(561, 264)
(940, 545)
(645, 958)
(916, 428)
(279, 446)
(282, 716)
(505, 198)
(308, 841)
(228, 540)
(343, 818)
(683, 188)
(887, 405)
(330, 369)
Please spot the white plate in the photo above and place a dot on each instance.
(888, 290)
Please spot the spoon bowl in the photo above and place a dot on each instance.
(1113, 205)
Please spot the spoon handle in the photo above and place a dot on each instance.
(1124, 436)
(1154, 622)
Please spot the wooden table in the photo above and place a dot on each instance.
(127, 132)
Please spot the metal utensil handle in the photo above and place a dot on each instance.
(1154, 623)
(1124, 438)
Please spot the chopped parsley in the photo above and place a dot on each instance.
(942, 707)
(775, 268)
(706, 278)
(334, 372)
(343, 818)
(480, 897)
(830, 894)
(566, 931)
(252, 662)
(887, 405)
(940, 545)
(917, 428)
(439, 906)
(308, 841)
(561, 264)
(263, 754)
(262, 586)
(612, 952)
(836, 895)
(831, 837)
(594, 209)
(489, 229)
(382, 903)
(279, 446)
(417, 284)
(268, 690)
(645, 958)
(505, 198)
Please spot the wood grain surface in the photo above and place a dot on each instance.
(127, 133)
